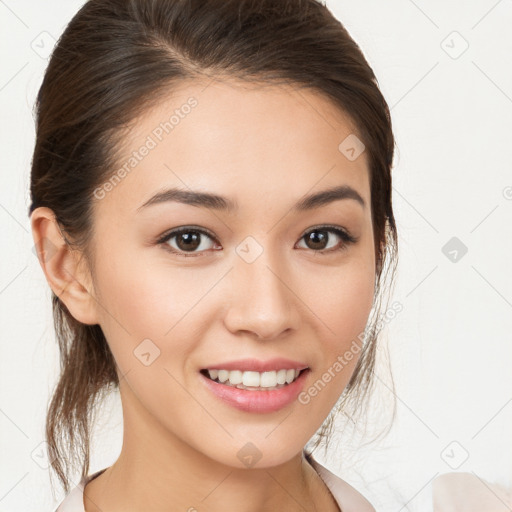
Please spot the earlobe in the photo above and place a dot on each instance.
(64, 267)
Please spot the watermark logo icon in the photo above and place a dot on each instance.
(249, 454)
(249, 249)
(43, 44)
(352, 147)
(454, 249)
(455, 455)
(40, 455)
(146, 352)
(45, 249)
(454, 45)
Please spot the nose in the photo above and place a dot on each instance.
(262, 300)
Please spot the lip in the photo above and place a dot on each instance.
(264, 401)
(254, 365)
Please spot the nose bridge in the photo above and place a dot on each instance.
(262, 301)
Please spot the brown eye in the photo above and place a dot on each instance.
(187, 240)
(318, 239)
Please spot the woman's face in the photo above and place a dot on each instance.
(261, 280)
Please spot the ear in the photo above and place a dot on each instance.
(64, 267)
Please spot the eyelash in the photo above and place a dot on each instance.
(347, 239)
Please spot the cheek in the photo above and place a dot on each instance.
(350, 307)
(140, 298)
(343, 312)
(139, 302)
(343, 309)
(342, 300)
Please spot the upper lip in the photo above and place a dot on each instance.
(255, 365)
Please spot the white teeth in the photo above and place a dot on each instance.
(223, 375)
(290, 376)
(250, 379)
(235, 377)
(268, 379)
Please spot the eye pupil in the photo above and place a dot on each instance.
(317, 239)
(191, 240)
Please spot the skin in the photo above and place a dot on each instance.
(265, 147)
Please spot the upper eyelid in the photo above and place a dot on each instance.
(176, 231)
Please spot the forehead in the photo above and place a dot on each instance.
(252, 142)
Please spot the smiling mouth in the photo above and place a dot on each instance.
(254, 381)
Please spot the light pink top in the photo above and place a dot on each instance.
(347, 498)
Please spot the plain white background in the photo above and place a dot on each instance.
(446, 72)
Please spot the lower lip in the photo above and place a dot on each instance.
(257, 401)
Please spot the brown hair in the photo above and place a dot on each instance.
(115, 59)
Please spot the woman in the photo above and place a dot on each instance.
(211, 197)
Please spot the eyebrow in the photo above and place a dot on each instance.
(221, 203)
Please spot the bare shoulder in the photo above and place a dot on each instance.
(452, 492)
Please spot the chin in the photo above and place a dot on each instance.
(255, 454)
